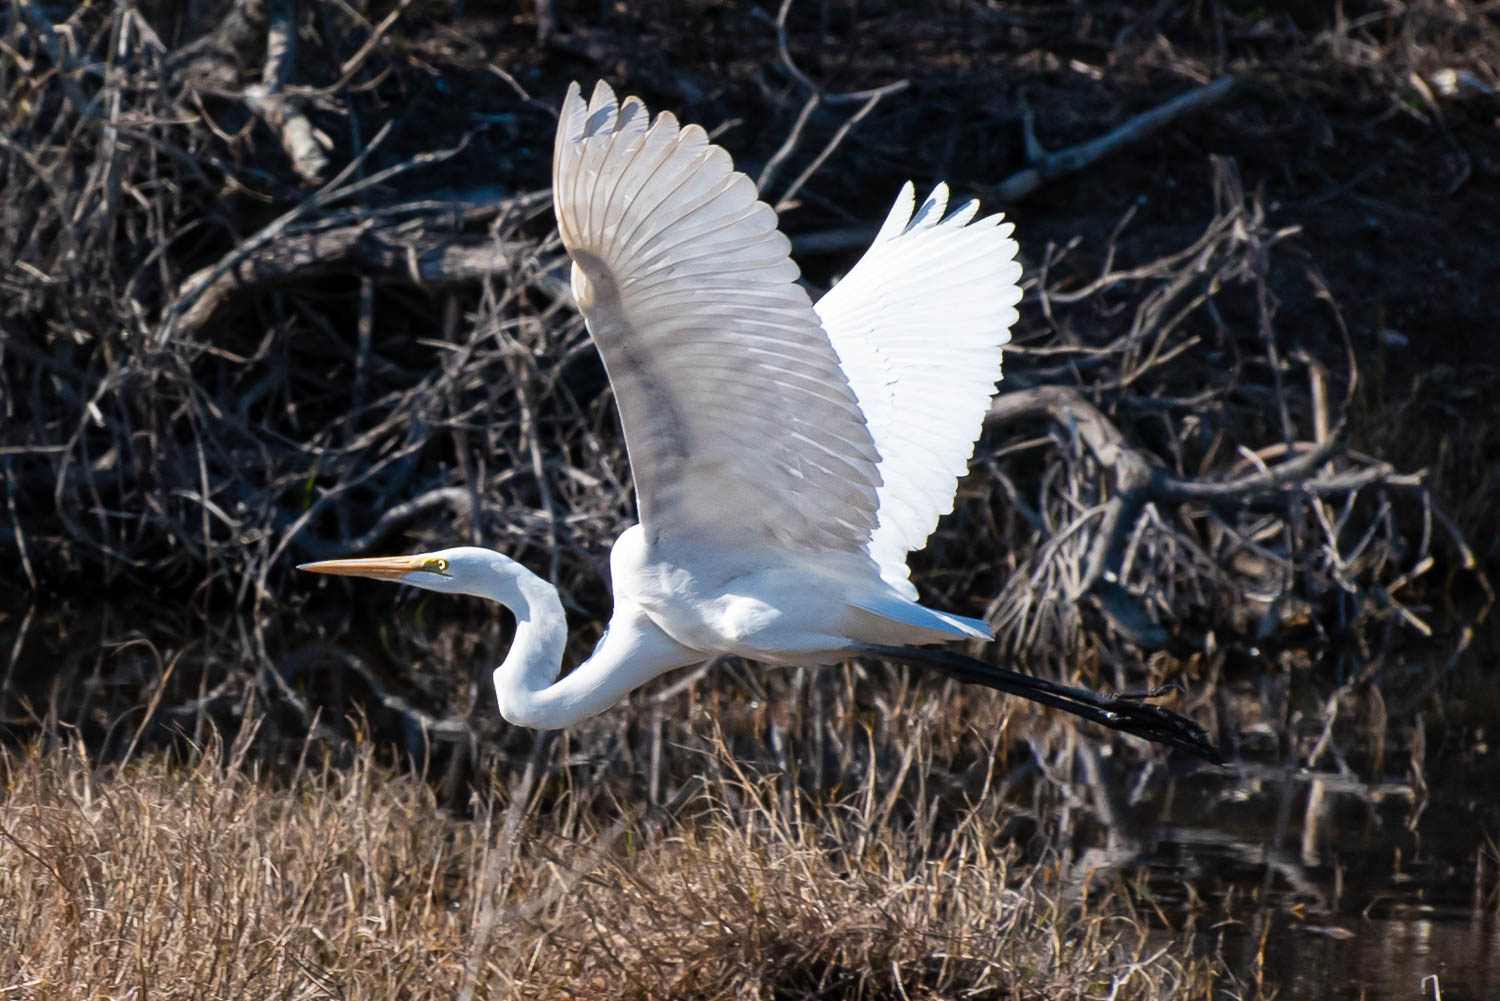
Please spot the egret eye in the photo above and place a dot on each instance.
(438, 565)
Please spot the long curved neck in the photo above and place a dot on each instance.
(526, 684)
(536, 654)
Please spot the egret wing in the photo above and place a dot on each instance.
(919, 324)
(738, 419)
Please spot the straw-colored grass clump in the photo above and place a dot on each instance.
(207, 879)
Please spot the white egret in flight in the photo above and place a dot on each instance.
(786, 455)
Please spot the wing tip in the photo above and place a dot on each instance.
(899, 217)
(573, 108)
(907, 217)
(933, 207)
(602, 97)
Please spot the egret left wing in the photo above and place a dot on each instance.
(739, 422)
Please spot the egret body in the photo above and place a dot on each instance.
(787, 455)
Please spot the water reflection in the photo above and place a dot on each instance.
(1407, 954)
(1364, 890)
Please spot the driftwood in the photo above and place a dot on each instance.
(393, 240)
(1312, 472)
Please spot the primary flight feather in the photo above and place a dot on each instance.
(787, 455)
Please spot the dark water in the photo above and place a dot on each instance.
(1365, 879)
(1369, 892)
(1414, 951)
(1327, 886)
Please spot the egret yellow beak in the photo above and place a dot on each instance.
(380, 567)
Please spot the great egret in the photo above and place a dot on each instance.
(786, 456)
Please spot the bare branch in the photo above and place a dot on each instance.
(302, 142)
(1075, 158)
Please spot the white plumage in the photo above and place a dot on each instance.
(741, 427)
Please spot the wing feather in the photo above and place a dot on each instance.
(738, 419)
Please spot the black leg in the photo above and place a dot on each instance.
(1128, 713)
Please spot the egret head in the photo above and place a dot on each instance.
(451, 571)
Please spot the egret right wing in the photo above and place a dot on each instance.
(920, 322)
(739, 422)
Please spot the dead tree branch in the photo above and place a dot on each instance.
(1107, 533)
(1049, 166)
(303, 143)
(408, 252)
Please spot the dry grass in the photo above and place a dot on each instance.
(207, 879)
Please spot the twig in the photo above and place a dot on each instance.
(47, 35)
(377, 34)
(816, 97)
(1075, 158)
(768, 172)
(303, 143)
(791, 67)
(785, 201)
